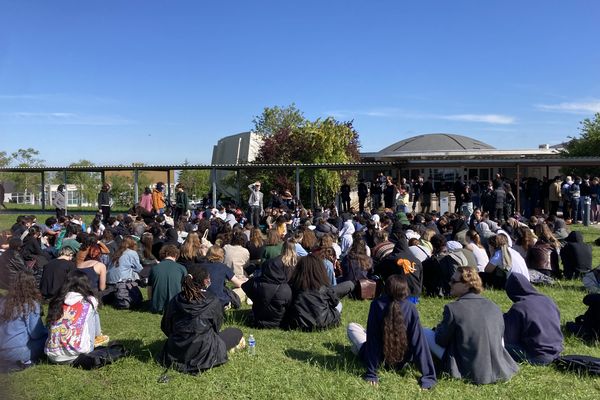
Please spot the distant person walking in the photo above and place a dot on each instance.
(255, 202)
(105, 202)
(59, 201)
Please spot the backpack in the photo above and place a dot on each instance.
(100, 357)
(127, 295)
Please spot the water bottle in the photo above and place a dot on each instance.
(251, 345)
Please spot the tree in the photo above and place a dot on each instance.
(87, 183)
(26, 182)
(319, 141)
(196, 182)
(586, 145)
(273, 119)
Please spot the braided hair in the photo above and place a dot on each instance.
(395, 341)
(192, 284)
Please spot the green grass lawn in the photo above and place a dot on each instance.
(296, 365)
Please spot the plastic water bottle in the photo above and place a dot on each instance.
(251, 345)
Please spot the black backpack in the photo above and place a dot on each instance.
(100, 357)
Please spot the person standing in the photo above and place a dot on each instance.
(255, 202)
(181, 202)
(345, 196)
(428, 190)
(363, 193)
(376, 193)
(104, 202)
(554, 195)
(158, 198)
(416, 192)
(59, 201)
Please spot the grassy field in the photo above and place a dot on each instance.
(296, 365)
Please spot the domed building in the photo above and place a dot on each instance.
(446, 157)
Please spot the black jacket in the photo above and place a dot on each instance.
(314, 309)
(270, 293)
(576, 256)
(11, 262)
(193, 343)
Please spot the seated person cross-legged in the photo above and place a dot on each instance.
(394, 335)
(469, 340)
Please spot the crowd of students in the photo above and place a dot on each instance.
(294, 266)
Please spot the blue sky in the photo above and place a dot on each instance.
(160, 82)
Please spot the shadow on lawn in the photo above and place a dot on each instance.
(343, 359)
(143, 352)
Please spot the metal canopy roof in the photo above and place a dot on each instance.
(250, 166)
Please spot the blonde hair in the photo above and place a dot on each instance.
(470, 277)
(191, 247)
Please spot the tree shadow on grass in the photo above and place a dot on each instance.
(142, 352)
(342, 359)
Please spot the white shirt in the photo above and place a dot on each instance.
(518, 263)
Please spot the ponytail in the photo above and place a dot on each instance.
(395, 341)
(192, 284)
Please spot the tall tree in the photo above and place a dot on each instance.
(586, 145)
(320, 141)
(87, 183)
(196, 182)
(26, 182)
(273, 119)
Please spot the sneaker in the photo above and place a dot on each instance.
(240, 346)
(248, 301)
(101, 340)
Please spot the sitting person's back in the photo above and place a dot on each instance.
(165, 279)
(532, 325)
(576, 256)
(270, 293)
(191, 322)
(315, 304)
(55, 272)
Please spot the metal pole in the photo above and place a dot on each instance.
(169, 187)
(518, 189)
(66, 191)
(43, 191)
(312, 190)
(298, 183)
(214, 187)
(238, 197)
(103, 177)
(135, 186)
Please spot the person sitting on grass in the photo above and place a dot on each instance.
(73, 321)
(468, 341)
(165, 278)
(532, 325)
(22, 333)
(393, 336)
(56, 271)
(192, 321)
(220, 274)
(315, 304)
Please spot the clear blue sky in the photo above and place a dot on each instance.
(162, 81)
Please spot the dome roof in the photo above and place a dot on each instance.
(435, 142)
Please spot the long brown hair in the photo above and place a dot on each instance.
(128, 243)
(309, 274)
(191, 247)
(395, 341)
(22, 297)
(256, 237)
(358, 253)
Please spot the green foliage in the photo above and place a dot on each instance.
(25, 182)
(273, 119)
(586, 145)
(319, 141)
(87, 183)
(196, 182)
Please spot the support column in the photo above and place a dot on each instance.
(214, 187)
(43, 191)
(238, 196)
(169, 187)
(312, 190)
(66, 192)
(298, 183)
(518, 189)
(103, 177)
(136, 176)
